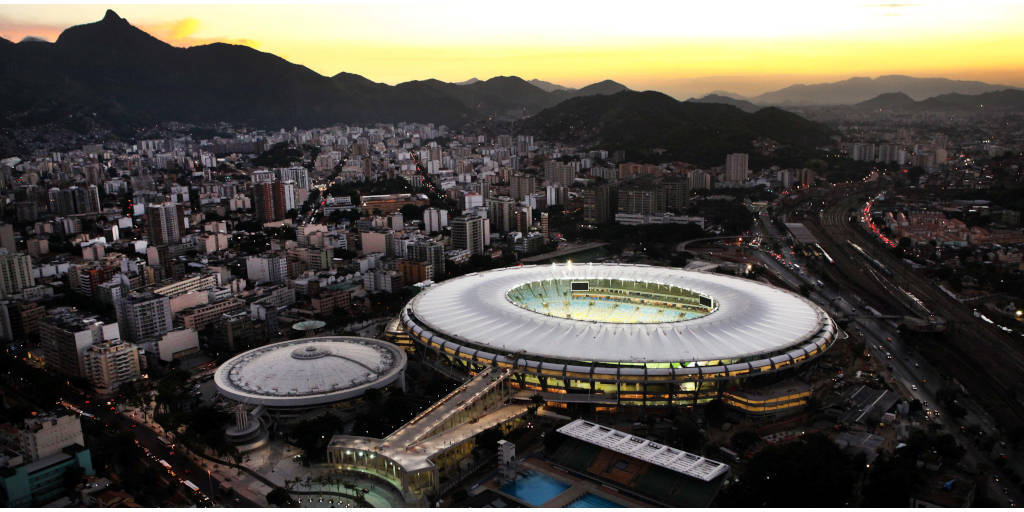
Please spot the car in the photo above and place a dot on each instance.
(913, 387)
(924, 380)
(995, 478)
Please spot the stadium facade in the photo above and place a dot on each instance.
(617, 334)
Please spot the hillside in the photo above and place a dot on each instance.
(701, 133)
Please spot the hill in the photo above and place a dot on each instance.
(743, 105)
(700, 133)
(860, 89)
(887, 101)
(1009, 99)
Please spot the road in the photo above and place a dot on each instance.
(149, 439)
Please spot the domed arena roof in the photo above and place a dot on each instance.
(310, 371)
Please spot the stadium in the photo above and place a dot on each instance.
(617, 334)
(294, 378)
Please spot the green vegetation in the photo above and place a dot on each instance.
(810, 472)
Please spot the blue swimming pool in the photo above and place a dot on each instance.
(535, 488)
(593, 501)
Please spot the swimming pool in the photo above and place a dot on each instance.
(535, 488)
(589, 500)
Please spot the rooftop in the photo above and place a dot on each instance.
(685, 463)
(310, 371)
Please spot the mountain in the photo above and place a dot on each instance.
(548, 86)
(468, 82)
(859, 89)
(602, 87)
(887, 101)
(743, 105)
(1008, 99)
(696, 132)
(112, 72)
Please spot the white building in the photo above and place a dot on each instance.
(41, 437)
(266, 268)
(434, 219)
(110, 363)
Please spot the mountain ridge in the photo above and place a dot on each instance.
(117, 73)
(859, 89)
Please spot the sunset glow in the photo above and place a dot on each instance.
(682, 48)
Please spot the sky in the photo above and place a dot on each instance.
(684, 48)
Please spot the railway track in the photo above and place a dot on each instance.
(985, 360)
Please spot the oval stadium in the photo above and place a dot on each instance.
(617, 334)
(295, 377)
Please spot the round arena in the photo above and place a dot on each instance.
(295, 377)
(617, 334)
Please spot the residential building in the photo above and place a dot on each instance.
(111, 363)
(468, 234)
(15, 272)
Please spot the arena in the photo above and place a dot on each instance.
(293, 378)
(616, 334)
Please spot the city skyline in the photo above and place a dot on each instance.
(690, 50)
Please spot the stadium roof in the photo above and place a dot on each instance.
(751, 318)
(309, 371)
(686, 463)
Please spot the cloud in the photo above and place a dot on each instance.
(15, 31)
(182, 33)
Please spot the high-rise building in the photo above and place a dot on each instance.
(86, 199)
(298, 174)
(499, 211)
(642, 200)
(521, 185)
(434, 219)
(144, 317)
(7, 238)
(41, 437)
(597, 207)
(522, 219)
(430, 252)
(61, 201)
(699, 180)
(544, 226)
(415, 271)
(110, 363)
(270, 201)
(165, 223)
(266, 268)
(557, 173)
(378, 241)
(66, 335)
(468, 233)
(15, 272)
(737, 168)
(677, 193)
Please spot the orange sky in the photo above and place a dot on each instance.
(684, 48)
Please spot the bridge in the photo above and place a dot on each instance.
(420, 454)
(683, 245)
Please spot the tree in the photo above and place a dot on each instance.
(280, 498)
(744, 440)
(811, 472)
